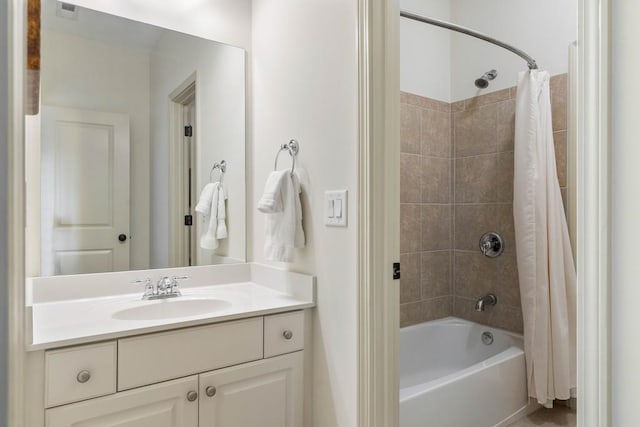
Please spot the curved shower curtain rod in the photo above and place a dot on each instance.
(460, 29)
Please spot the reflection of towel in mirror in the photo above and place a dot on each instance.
(216, 228)
(283, 227)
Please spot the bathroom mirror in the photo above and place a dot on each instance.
(133, 120)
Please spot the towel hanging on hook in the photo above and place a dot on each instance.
(293, 148)
(222, 165)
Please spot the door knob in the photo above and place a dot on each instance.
(122, 237)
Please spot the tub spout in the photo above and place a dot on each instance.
(489, 299)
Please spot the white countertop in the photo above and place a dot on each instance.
(58, 319)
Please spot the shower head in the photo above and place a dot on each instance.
(483, 82)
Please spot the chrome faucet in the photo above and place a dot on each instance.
(167, 287)
(489, 299)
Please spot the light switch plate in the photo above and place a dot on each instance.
(335, 211)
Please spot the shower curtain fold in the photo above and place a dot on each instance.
(546, 268)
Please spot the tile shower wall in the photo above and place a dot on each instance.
(457, 184)
(426, 291)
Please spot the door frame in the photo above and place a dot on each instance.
(186, 91)
(378, 223)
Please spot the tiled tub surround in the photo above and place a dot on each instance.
(456, 184)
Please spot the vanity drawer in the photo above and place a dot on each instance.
(79, 373)
(283, 333)
(158, 357)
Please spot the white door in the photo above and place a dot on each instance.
(267, 393)
(161, 405)
(85, 191)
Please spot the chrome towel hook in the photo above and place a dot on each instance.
(222, 165)
(293, 147)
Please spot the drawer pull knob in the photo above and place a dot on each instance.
(192, 396)
(83, 376)
(287, 334)
(211, 391)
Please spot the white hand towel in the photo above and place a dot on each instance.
(204, 202)
(221, 230)
(284, 228)
(271, 200)
(216, 228)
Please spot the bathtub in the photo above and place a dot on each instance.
(450, 378)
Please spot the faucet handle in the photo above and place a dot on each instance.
(179, 277)
(148, 286)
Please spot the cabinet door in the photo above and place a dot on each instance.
(267, 393)
(160, 405)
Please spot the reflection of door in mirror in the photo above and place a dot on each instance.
(187, 177)
(85, 191)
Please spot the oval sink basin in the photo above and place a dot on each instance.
(171, 308)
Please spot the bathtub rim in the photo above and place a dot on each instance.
(513, 351)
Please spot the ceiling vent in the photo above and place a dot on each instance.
(66, 10)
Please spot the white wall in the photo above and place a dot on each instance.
(425, 51)
(4, 330)
(626, 211)
(305, 87)
(112, 79)
(443, 65)
(227, 21)
(219, 133)
(544, 29)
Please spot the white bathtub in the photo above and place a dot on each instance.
(450, 378)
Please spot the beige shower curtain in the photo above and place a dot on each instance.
(545, 263)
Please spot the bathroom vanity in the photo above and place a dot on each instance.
(230, 351)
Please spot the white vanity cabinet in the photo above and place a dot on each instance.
(218, 375)
(168, 404)
(267, 393)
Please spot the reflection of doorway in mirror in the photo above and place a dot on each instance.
(85, 191)
(183, 198)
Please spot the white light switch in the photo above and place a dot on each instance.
(336, 208)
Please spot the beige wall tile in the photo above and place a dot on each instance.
(506, 228)
(436, 133)
(499, 316)
(423, 102)
(436, 274)
(410, 228)
(504, 177)
(489, 98)
(475, 179)
(474, 274)
(410, 313)
(436, 180)
(410, 178)
(506, 125)
(560, 143)
(558, 88)
(475, 131)
(508, 284)
(437, 308)
(409, 129)
(471, 222)
(436, 227)
(410, 282)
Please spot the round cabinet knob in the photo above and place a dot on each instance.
(287, 334)
(83, 376)
(192, 396)
(211, 391)
(122, 237)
